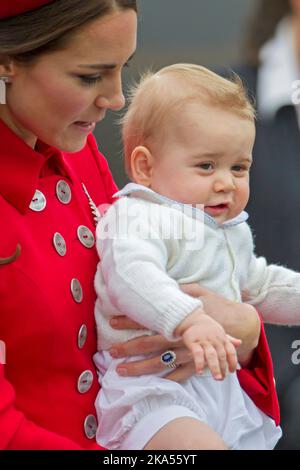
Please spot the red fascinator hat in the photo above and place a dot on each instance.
(9, 8)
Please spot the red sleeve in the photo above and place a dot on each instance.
(18, 433)
(110, 186)
(257, 379)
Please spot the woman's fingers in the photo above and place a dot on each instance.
(182, 373)
(154, 365)
(122, 322)
(194, 290)
(143, 345)
(140, 345)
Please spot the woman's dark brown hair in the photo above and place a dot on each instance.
(49, 28)
(262, 26)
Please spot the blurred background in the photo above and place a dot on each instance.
(212, 33)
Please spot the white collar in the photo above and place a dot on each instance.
(148, 194)
(278, 70)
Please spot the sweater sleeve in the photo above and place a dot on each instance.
(134, 269)
(19, 433)
(274, 291)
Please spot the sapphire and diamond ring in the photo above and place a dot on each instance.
(168, 358)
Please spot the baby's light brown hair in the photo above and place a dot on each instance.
(153, 101)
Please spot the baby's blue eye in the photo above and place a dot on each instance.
(238, 168)
(205, 166)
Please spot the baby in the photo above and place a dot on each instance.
(188, 136)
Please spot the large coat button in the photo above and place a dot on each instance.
(82, 336)
(85, 381)
(86, 236)
(59, 244)
(63, 192)
(90, 426)
(38, 202)
(76, 290)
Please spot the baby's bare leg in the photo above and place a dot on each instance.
(186, 434)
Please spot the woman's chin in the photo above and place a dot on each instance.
(73, 145)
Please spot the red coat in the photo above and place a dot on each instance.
(43, 312)
(39, 318)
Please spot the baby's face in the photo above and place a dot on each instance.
(205, 158)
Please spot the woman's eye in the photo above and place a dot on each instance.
(88, 80)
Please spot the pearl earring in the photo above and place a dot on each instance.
(3, 81)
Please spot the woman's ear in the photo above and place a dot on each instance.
(142, 162)
(7, 67)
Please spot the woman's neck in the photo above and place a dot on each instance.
(29, 138)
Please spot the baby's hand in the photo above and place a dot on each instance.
(209, 344)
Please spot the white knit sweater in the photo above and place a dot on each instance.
(149, 244)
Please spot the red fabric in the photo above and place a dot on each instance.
(40, 406)
(10, 8)
(257, 379)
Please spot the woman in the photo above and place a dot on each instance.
(60, 69)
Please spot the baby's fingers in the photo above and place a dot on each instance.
(231, 356)
(198, 355)
(222, 357)
(212, 360)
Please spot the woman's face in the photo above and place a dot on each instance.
(64, 94)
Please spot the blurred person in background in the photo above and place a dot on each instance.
(270, 71)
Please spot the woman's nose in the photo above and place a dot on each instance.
(113, 98)
(117, 101)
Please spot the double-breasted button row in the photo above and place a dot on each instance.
(87, 239)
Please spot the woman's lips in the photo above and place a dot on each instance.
(86, 127)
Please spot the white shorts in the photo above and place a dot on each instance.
(132, 409)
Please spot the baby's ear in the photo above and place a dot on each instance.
(142, 165)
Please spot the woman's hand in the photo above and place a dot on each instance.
(152, 345)
(238, 320)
